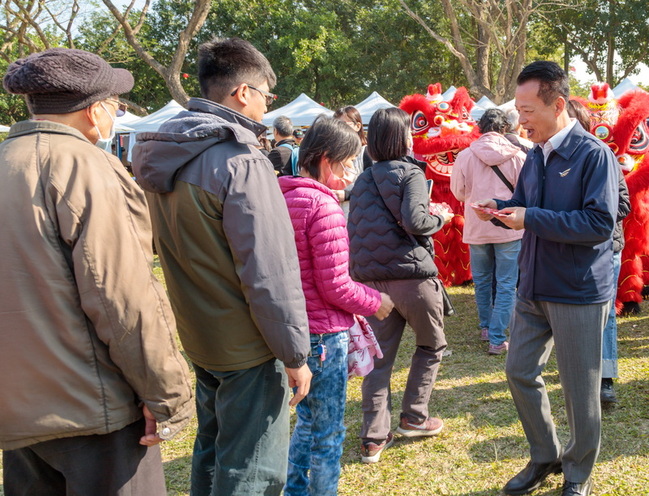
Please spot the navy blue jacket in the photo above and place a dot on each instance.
(572, 202)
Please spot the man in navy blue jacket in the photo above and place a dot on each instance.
(566, 200)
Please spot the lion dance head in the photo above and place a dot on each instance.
(622, 124)
(440, 128)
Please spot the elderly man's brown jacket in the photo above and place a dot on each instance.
(86, 331)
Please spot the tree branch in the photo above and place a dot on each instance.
(170, 74)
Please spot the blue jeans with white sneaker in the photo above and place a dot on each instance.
(495, 314)
(317, 441)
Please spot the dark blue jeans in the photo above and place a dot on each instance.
(241, 446)
(317, 441)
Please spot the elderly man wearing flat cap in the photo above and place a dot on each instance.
(90, 374)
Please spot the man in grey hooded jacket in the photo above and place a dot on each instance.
(225, 241)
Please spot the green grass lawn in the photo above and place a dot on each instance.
(483, 444)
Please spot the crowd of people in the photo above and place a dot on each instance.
(266, 275)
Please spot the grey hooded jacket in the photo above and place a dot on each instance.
(225, 239)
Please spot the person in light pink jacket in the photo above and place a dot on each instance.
(494, 249)
(332, 297)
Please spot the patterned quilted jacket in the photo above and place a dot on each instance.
(390, 224)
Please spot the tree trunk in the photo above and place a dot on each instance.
(170, 73)
(610, 43)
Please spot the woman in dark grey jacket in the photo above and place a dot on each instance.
(391, 250)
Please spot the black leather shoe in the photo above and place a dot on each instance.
(577, 488)
(531, 477)
(607, 394)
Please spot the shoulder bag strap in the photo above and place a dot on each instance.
(502, 177)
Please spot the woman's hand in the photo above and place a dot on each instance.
(447, 215)
(386, 307)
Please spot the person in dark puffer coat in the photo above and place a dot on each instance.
(391, 250)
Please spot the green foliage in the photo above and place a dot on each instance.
(611, 36)
(579, 88)
(156, 35)
(12, 107)
(337, 52)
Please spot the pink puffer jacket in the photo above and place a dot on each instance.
(323, 249)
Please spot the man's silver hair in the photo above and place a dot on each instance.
(283, 126)
(512, 118)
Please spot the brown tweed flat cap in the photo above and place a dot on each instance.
(64, 80)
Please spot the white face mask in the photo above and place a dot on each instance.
(106, 143)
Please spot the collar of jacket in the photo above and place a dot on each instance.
(287, 141)
(570, 143)
(228, 114)
(31, 126)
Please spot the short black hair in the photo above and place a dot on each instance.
(327, 137)
(283, 126)
(387, 134)
(493, 120)
(552, 78)
(225, 63)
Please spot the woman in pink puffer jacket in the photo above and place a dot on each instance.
(326, 156)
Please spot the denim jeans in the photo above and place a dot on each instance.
(495, 313)
(241, 444)
(317, 441)
(609, 340)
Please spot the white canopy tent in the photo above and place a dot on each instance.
(151, 122)
(480, 106)
(4, 129)
(302, 111)
(370, 105)
(625, 85)
(448, 94)
(122, 124)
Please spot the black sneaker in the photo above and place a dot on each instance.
(607, 394)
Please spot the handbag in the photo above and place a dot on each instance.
(363, 347)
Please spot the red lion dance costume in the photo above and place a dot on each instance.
(440, 130)
(622, 124)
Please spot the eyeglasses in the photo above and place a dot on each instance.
(121, 107)
(270, 97)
